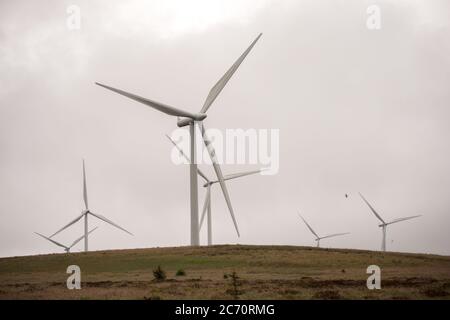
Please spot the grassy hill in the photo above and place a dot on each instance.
(265, 272)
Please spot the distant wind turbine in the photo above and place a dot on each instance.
(384, 224)
(85, 214)
(186, 118)
(66, 248)
(318, 238)
(208, 184)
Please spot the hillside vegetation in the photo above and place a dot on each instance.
(227, 272)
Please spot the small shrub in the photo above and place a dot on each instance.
(159, 274)
(235, 284)
(180, 272)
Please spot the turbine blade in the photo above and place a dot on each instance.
(403, 219)
(373, 210)
(81, 238)
(240, 174)
(69, 224)
(212, 154)
(205, 207)
(109, 221)
(51, 240)
(215, 91)
(85, 197)
(154, 104)
(309, 227)
(335, 235)
(200, 173)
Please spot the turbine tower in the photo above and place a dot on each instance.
(384, 224)
(208, 184)
(318, 238)
(85, 213)
(66, 248)
(186, 118)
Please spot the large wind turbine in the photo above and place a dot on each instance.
(384, 224)
(85, 213)
(208, 184)
(317, 236)
(66, 248)
(186, 118)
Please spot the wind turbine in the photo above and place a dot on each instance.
(186, 118)
(85, 213)
(384, 224)
(208, 184)
(66, 248)
(318, 238)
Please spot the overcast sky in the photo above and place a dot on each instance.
(357, 109)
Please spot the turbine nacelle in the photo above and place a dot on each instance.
(183, 122)
(209, 183)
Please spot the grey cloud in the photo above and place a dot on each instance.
(357, 110)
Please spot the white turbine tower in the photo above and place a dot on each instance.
(318, 238)
(186, 118)
(85, 214)
(208, 184)
(66, 248)
(384, 224)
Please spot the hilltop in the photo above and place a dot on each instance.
(264, 272)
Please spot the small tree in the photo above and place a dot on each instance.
(159, 274)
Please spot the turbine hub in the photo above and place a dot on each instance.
(200, 116)
(182, 122)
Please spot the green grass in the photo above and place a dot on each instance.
(278, 272)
